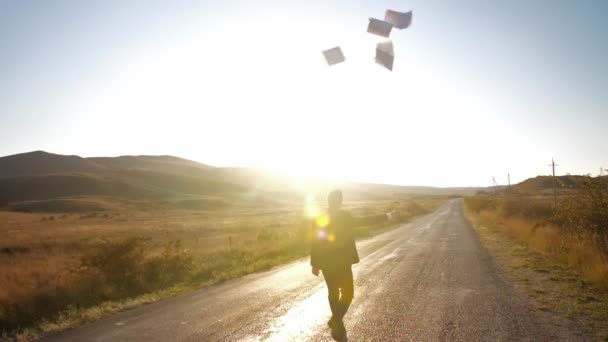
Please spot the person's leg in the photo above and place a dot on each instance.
(347, 289)
(332, 280)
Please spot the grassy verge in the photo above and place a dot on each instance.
(561, 274)
(91, 280)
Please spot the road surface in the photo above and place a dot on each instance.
(428, 280)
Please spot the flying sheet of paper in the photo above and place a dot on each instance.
(334, 56)
(386, 47)
(385, 55)
(379, 27)
(398, 19)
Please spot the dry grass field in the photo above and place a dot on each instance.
(555, 253)
(59, 270)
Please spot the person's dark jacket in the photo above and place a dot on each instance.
(333, 246)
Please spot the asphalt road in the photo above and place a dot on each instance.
(428, 280)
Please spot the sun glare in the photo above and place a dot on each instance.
(267, 99)
(311, 207)
(322, 220)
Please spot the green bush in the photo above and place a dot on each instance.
(583, 213)
(586, 212)
(127, 267)
(481, 202)
(270, 234)
(172, 265)
(526, 207)
(415, 209)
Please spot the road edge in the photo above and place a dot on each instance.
(551, 290)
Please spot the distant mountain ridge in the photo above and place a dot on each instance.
(43, 176)
(43, 163)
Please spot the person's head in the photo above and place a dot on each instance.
(334, 200)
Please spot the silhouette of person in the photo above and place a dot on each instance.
(333, 252)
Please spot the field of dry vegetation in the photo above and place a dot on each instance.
(559, 253)
(60, 270)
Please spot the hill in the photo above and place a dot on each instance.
(397, 190)
(41, 176)
(57, 185)
(43, 163)
(37, 178)
(162, 164)
(545, 183)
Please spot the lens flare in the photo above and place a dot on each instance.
(311, 207)
(331, 238)
(321, 234)
(322, 221)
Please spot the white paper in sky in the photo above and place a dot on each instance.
(398, 19)
(334, 56)
(385, 55)
(379, 27)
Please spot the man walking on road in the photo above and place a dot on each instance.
(333, 251)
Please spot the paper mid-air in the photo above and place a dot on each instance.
(334, 55)
(397, 19)
(385, 54)
(379, 27)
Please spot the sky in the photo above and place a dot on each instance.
(479, 89)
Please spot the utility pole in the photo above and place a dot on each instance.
(495, 185)
(509, 180)
(553, 165)
(230, 244)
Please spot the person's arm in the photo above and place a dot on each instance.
(314, 250)
(375, 219)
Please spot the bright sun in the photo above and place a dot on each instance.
(264, 97)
